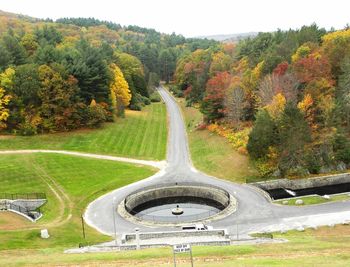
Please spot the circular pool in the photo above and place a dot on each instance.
(177, 204)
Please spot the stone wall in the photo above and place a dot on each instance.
(296, 184)
(137, 199)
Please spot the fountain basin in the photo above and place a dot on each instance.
(177, 204)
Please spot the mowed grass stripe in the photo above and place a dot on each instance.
(137, 135)
(161, 130)
(136, 142)
(82, 179)
(151, 123)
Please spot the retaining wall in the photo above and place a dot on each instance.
(296, 184)
(137, 199)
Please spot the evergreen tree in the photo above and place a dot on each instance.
(262, 136)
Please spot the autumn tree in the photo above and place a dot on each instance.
(192, 74)
(212, 105)
(234, 102)
(312, 67)
(221, 62)
(343, 93)
(57, 92)
(4, 111)
(336, 46)
(120, 93)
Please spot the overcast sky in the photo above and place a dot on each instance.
(194, 17)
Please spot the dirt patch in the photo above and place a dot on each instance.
(5, 137)
(12, 221)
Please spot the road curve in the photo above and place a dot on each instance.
(255, 212)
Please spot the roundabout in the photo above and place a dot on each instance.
(172, 205)
(252, 210)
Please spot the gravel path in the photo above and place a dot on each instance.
(156, 164)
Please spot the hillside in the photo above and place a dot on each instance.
(80, 72)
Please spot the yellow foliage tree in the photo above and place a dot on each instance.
(277, 105)
(120, 92)
(336, 46)
(6, 78)
(305, 104)
(4, 111)
(302, 52)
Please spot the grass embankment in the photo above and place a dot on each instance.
(213, 154)
(138, 135)
(72, 182)
(312, 200)
(75, 180)
(320, 247)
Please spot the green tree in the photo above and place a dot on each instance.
(262, 136)
(87, 65)
(294, 134)
(16, 50)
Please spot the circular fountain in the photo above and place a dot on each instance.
(177, 204)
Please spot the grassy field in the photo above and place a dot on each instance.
(213, 154)
(70, 184)
(312, 200)
(138, 135)
(320, 247)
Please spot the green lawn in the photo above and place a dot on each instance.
(312, 200)
(320, 247)
(138, 135)
(213, 154)
(77, 181)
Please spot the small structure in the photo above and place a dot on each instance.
(44, 233)
(177, 210)
(28, 205)
(299, 202)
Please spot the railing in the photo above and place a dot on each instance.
(22, 196)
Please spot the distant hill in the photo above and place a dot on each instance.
(235, 37)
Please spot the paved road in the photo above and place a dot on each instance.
(255, 211)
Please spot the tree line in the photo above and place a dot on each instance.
(77, 72)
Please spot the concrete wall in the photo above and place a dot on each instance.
(152, 235)
(193, 191)
(296, 184)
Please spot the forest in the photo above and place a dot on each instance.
(80, 72)
(283, 98)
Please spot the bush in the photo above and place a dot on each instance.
(313, 163)
(136, 106)
(27, 129)
(155, 97)
(176, 91)
(146, 100)
(95, 116)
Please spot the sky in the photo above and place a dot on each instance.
(194, 17)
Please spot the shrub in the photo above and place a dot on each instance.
(95, 116)
(146, 100)
(312, 162)
(155, 97)
(176, 91)
(136, 106)
(27, 129)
